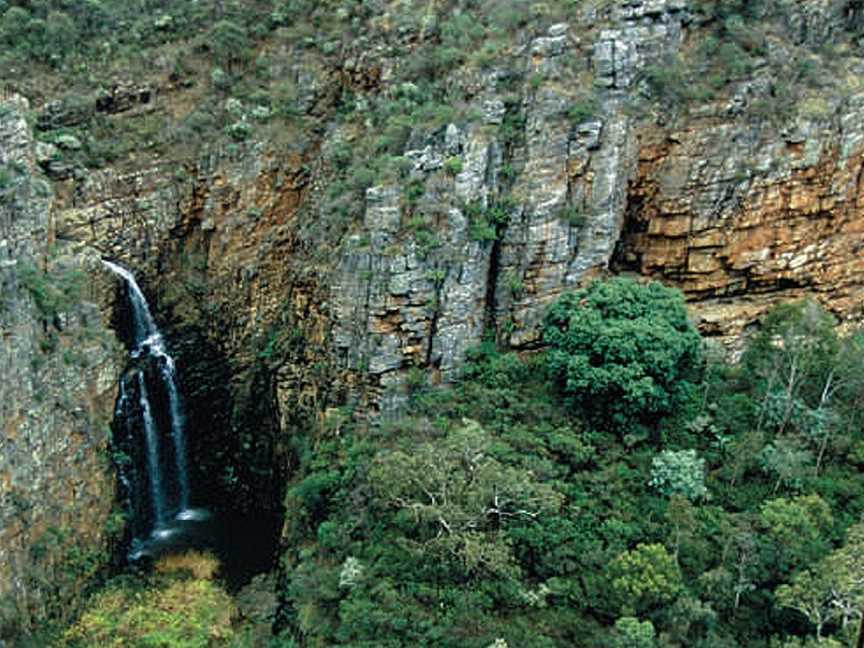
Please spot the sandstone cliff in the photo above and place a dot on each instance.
(493, 214)
(332, 267)
(56, 397)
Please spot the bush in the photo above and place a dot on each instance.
(453, 166)
(644, 578)
(583, 109)
(679, 473)
(182, 607)
(229, 43)
(623, 352)
(53, 292)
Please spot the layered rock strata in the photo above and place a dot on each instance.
(58, 376)
(500, 212)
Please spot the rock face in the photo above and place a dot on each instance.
(741, 219)
(56, 397)
(496, 214)
(284, 304)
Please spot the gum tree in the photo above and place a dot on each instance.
(623, 352)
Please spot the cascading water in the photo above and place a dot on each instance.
(150, 452)
(157, 490)
(166, 475)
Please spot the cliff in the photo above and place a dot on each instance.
(59, 371)
(402, 208)
(568, 155)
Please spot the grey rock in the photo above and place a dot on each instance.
(493, 111)
(46, 153)
(453, 139)
(68, 142)
(426, 159)
(52, 450)
(71, 111)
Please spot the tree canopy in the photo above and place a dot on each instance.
(624, 352)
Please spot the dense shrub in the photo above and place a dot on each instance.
(183, 608)
(623, 352)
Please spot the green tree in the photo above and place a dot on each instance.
(230, 43)
(807, 384)
(460, 496)
(645, 577)
(791, 360)
(786, 459)
(630, 632)
(61, 36)
(833, 589)
(679, 472)
(797, 529)
(810, 594)
(624, 352)
(13, 26)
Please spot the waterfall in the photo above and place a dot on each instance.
(154, 471)
(168, 493)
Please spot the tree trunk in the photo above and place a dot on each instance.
(860, 642)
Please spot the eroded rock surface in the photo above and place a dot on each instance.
(741, 218)
(57, 383)
(498, 212)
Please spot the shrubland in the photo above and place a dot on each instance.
(626, 487)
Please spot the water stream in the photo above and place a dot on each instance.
(153, 470)
(167, 471)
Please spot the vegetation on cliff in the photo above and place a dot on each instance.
(180, 606)
(624, 487)
(506, 508)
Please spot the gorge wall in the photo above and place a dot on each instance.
(496, 213)
(289, 288)
(59, 369)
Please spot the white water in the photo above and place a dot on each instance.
(149, 341)
(154, 471)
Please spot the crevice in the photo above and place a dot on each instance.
(433, 324)
(624, 257)
(490, 299)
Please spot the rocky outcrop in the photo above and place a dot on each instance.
(551, 191)
(741, 217)
(549, 178)
(282, 304)
(59, 373)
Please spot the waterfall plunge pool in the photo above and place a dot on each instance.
(167, 515)
(242, 543)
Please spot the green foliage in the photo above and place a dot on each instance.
(645, 578)
(396, 534)
(810, 594)
(462, 496)
(56, 32)
(583, 109)
(55, 291)
(453, 166)
(669, 84)
(229, 42)
(625, 353)
(173, 610)
(488, 223)
(455, 527)
(679, 473)
(632, 633)
(574, 216)
(797, 528)
(833, 589)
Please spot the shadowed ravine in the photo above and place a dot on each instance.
(165, 514)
